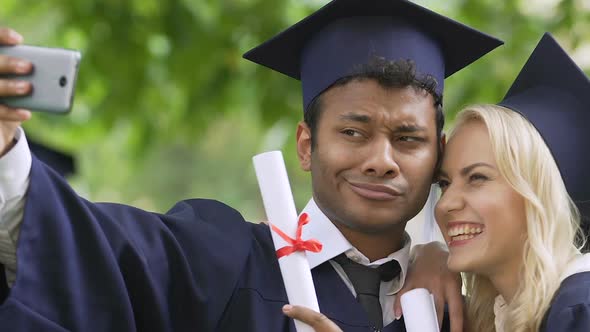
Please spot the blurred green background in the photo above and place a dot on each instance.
(166, 109)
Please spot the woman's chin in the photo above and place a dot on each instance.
(460, 264)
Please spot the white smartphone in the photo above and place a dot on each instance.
(53, 78)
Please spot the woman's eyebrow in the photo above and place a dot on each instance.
(469, 168)
(466, 170)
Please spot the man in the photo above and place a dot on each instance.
(371, 139)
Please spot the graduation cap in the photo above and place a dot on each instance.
(58, 161)
(345, 34)
(553, 93)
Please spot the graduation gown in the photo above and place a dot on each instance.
(107, 267)
(570, 308)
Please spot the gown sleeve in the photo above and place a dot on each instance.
(107, 267)
(570, 308)
(575, 318)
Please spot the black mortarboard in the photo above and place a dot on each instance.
(553, 93)
(58, 161)
(332, 42)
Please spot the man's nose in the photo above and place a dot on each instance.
(380, 160)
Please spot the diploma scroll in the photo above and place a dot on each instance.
(419, 311)
(281, 213)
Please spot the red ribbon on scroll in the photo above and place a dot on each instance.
(297, 244)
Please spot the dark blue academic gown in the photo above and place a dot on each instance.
(570, 308)
(107, 267)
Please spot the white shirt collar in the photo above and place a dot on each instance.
(322, 229)
(334, 243)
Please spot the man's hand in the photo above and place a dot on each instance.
(11, 118)
(429, 270)
(316, 320)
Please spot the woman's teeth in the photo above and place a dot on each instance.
(464, 232)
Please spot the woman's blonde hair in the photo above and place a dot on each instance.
(552, 221)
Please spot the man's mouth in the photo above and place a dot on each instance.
(372, 191)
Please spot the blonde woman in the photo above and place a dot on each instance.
(511, 181)
(507, 215)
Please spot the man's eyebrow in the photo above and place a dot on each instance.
(355, 117)
(406, 128)
(409, 128)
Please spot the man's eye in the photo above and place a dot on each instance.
(410, 139)
(351, 132)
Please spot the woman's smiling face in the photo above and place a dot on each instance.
(481, 216)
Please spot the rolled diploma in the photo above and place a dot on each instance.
(419, 311)
(280, 211)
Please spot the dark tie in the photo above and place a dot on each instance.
(3, 284)
(366, 282)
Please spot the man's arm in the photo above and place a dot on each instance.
(126, 268)
(15, 157)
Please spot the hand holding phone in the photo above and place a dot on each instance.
(10, 118)
(53, 78)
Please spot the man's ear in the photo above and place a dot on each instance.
(304, 145)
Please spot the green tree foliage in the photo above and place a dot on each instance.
(167, 109)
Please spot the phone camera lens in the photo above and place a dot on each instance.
(63, 81)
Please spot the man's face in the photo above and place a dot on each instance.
(375, 154)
